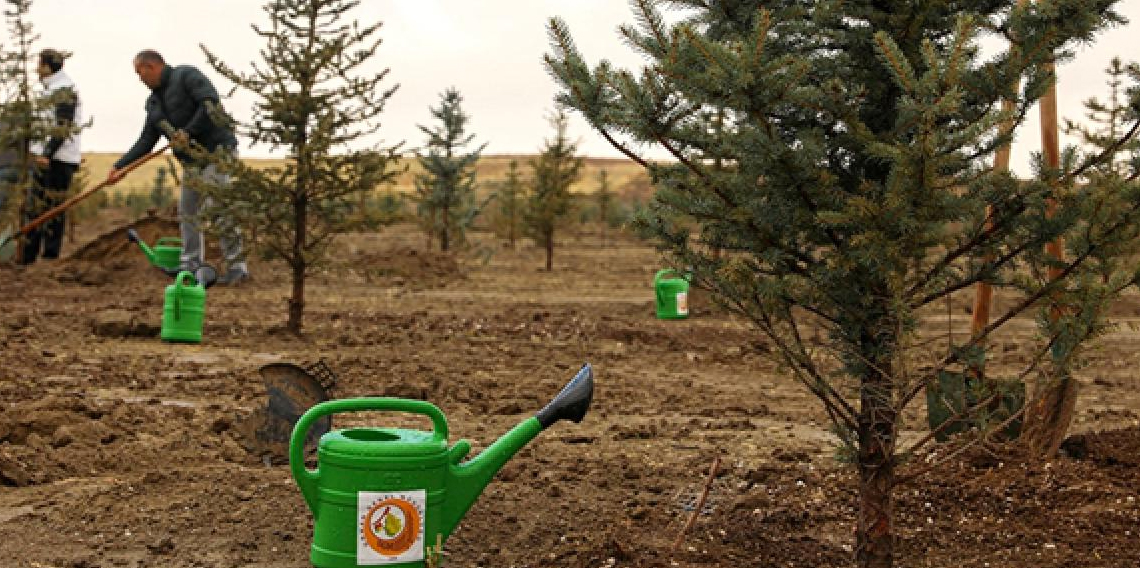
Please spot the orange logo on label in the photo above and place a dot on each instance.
(392, 526)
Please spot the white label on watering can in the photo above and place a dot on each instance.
(390, 527)
(683, 303)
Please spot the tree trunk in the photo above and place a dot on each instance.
(1047, 420)
(511, 226)
(877, 434)
(443, 236)
(297, 262)
(549, 250)
(297, 301)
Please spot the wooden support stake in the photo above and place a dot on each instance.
(700, 505)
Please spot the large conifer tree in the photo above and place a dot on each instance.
(316, 98)
(836, 152)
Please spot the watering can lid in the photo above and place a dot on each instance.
(381, 442)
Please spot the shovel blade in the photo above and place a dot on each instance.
(7, 245)
(290, 391)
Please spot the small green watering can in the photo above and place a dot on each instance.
(379, 494)
(166, 254)
(184, 305)
(672, 294)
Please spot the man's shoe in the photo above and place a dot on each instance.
(234, 277)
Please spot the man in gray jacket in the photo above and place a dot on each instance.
(178, 101)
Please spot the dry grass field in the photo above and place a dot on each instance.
(622, 173)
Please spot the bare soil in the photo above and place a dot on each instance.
(123, 451)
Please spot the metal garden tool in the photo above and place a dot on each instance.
(379, 494)
(8, 238)
(290, 391)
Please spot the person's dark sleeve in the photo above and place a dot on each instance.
(143, 145)
(201, 90)
(64, 118)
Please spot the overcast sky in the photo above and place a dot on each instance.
(491, 50)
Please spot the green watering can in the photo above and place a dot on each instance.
(184, 305)
(379, 494)
(166, 254)
(672, 294)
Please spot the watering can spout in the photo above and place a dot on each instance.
(133, 236)
(472, 477)
(573, 402)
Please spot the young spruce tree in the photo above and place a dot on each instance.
(317, 98)
(445, 191)
(555, 169)
(836, 152)
(511, 197)
(17, 110)
(1107, 121)
(605, 198)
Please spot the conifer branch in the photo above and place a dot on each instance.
(1057, 282)
(896, 61)
(818, 386)
(762, 28)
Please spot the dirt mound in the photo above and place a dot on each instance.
(1112, 448)
(407, 266)
(111, 257)
(114, 245)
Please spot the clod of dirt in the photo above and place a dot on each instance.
(62, 437)
(164, 545)
(122, 323)
(509, 409)
(790, 455)
(20, 321)
(12, 473)
(415, 392)
(636, 432)
(85, 273)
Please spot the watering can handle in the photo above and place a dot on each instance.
(307, 478)
(662, 274)
(169, 241)
(180, 280)
(179, 283)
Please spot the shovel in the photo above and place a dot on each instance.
(7, 237)
(291, 390)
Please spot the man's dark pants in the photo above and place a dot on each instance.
(49, 190)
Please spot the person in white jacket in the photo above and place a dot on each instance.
(56, 159)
